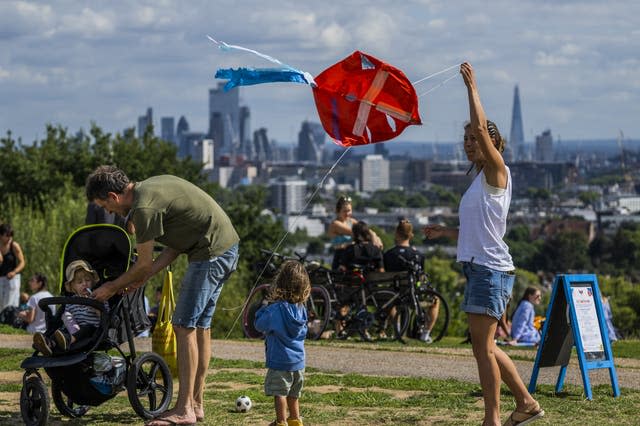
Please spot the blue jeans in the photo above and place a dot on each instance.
(487, 291)
(201, 287)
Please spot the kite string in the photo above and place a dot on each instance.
(434, 74)
(279, 243)
(438, 85)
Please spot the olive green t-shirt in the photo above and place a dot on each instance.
(182, 216)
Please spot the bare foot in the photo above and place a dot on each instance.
(170, 418)
(199, 413)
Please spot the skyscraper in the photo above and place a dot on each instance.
(544, 147)
(246, 145)
(224, 119)
(311, 142)
(144, 121)
(167, 129)
(516, 137)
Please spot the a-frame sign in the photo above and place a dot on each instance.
(575, 318)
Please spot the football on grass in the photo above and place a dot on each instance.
(243, 404)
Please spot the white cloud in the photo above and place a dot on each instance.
(21, 18)
(546, 59)
(479, 19)
(88, 23)
(437, 24)
(4, 74)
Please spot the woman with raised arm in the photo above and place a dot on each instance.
(486, 261)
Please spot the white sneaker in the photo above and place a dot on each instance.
(425, 337)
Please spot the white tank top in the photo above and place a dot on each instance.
(483, 222)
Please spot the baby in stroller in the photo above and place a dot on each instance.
(80, 321)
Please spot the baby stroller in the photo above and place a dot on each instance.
(87, 375)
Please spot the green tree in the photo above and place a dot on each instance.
(563, 252)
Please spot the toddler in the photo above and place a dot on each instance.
(284, 324)
(81, 321)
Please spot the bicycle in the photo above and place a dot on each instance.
(357, 306)
(318, 304)
(426, 309)
(387, 303)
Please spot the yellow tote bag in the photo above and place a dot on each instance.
(163, 339)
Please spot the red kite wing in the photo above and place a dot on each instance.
(362, 100)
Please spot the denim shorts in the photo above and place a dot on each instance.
(487, 291)
(284, 383)
(201, 288)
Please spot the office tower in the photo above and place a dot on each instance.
(381, 149)
(516, 137)
(246, 145)
(145, 121)
(288, 195)
(167, 129)
(262, 145)
(544, 147)
(311, 142)
(374, 173)
(181, 130)
(224, 119)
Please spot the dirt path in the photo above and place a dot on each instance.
(361, 358)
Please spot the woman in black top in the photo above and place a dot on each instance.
(362, 253)
(11, 264)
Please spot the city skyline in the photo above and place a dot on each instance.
(575, 62)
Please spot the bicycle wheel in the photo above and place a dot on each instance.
(434, 313)
(318, 312)
(387, 317)
(252, 304)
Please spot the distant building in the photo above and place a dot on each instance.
(224, 119)
(313, 226)
(145, 121)
(167, 129)
(311, 142)
(245, 137)
(181, 129)
(516, 137)
(381, 149)
(288, 195)
(263, 149)
(198, 147)
(374, 173)
(544, 147)
(549, 176)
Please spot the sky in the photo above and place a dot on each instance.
(577, 63)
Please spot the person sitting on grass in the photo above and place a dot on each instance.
(80, 321)
(523, 330)
(284, 324)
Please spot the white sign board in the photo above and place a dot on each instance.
(585, 308)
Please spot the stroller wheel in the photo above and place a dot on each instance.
(63, 403)
(34, 402)
(149, 385)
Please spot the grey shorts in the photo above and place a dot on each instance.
(283, 383)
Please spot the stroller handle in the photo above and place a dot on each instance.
(68, 300)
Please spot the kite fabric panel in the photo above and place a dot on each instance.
(362, 100)
(250, 76)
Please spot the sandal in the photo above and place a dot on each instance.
(525, 417)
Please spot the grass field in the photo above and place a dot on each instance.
(345, 399)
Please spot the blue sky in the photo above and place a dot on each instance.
(577, 63)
